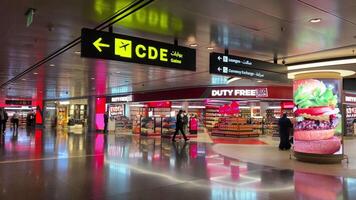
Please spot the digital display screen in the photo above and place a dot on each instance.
(318, 126)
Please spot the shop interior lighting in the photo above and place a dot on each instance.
(176, 106)
(23, 79)
(322, 64)
(35, 73)
(19, 108)
(77, 52)
(315, 20)
(92, 78)
(50, 108)
(52, 65)
(244, 107)
(232, 79)
(64, 103)
(117, 72)
(137, 105)
(210, 48)
(193, 45)
(259, 81)
(196, 106)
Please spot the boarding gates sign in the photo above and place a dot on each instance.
(106, 45)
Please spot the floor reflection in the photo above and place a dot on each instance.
(58, 165)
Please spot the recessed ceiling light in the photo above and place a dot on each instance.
(35, 73)
(315, 20)
(210, 48)
(23, 79)
(77, 52)
(259, 81)
(52, 65)
(193, 45)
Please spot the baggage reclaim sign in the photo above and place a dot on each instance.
(229, 65)
(105, 45)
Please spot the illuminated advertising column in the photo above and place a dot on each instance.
(318, 127)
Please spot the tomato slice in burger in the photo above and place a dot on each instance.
(315, 111)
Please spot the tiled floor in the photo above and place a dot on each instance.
(44, 165)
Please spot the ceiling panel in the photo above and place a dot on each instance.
(258, 29)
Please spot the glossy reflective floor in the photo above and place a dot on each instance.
(39, 164)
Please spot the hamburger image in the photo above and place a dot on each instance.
(317, 117)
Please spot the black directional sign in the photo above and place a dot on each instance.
(105, 45)
(229, 65)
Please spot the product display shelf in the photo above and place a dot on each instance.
(135, 116)
(271, 123)
(122, 122)
(211, 116)
(234, 127)
(245, 113)
(163, 112)
(168, 126)
(350, 126)
(148, 126)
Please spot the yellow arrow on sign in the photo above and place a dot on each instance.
(97, 44)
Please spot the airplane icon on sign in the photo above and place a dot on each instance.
(123, 45)
(123, 48)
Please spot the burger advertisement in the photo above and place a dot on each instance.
(318, 117)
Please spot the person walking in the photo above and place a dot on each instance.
(4, 121)
(284, 127)
(185, 122)
(15, 122)
(179, 126)
(106, 121)
(2, 118)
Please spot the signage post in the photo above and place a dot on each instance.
(105, 45)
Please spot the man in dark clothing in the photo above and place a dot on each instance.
(179, 126)
(284, 127)
(6, 117)
(2, 118)
(106, 120)
(185, 121)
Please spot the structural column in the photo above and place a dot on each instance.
(97, 108)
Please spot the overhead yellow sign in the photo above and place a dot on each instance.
(98, 44)
(105, 45)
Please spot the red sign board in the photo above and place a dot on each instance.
(159, 104)
(287, 105)
(117, 110)
(270, 92)
(249, 92)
